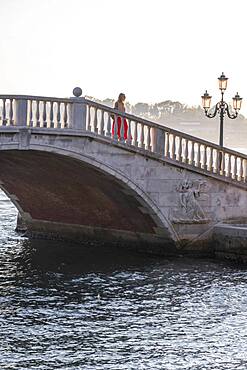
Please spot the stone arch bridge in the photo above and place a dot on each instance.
(71, 176)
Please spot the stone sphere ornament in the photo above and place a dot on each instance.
(77, 92)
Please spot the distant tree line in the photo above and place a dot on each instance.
(166, 110)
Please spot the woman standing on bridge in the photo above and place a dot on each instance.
(119, 105)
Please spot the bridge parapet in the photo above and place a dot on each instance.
(86, 116)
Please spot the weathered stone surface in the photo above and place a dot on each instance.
(158, 243)
(60, 189)
(230, 242)
(186, 203)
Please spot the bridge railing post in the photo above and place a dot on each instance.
(158, 140)
(78, 111)
(21, 112)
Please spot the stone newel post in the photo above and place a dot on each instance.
(78, 110)
(158, 140)
(21, 112)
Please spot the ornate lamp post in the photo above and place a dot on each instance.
(221, 107)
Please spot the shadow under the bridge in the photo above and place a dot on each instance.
(46, 255)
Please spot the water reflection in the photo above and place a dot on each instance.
(68, 307)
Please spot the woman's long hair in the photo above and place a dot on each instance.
(120, 95)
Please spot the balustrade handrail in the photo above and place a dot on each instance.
(129, 117)
(40, 98)
(165, 128)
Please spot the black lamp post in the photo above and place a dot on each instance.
(221, 107)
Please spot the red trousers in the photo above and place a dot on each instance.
(119, 124)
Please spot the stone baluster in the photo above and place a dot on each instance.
(142, 144)
(192, 152)
(51, 114)
(11, 113)
(102, 123)
(167, 146)
(241, 170)
(180, 149)
(226, 155)
(92, 112)
(59, 115)
(115, 135)
(89, 118)
(153, 139)
(228, 170)
(204, 162)
(245, 170)
(213, 161)
(173, 147)
(4, 118)
(122, 140)
(135, 134)
(65, 115)
(217, 161)
(222, 167)
(199, 155)
(210, 161)
(234, 168)
(186, 152)
(30, 113)
(37, 113)
(129, 137)
(108, 127)
(149, 138)
(44, 114)
(223, 164)
(205, 157)
(95, 121)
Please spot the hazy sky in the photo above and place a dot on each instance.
(152, 50)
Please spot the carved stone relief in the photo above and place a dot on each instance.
(189, 210)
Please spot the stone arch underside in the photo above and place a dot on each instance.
(56, 194)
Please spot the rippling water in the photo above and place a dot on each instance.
(62, 307)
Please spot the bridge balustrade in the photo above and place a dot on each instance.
(86, 116)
